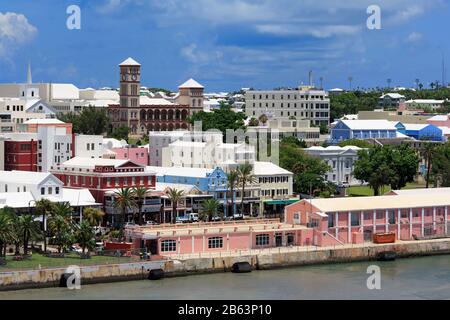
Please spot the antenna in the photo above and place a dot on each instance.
(443, 70)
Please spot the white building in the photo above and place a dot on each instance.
(275, 182)
(21, 190)
(341, 161)
(277, 129)
(88, 146)
(303, 103)
(424, 103)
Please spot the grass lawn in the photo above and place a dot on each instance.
(364, 191)
(70, 259)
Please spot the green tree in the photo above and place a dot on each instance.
(295, 141)
(85, 236)
(60, 224)
(220, 119)
(140, 193)
(6, 231)
(440, 165)
(427, 152)
(174, 196)
(245, 177)
(233, 181)
(121, 133)
(356, 142)
(210, 209)
(124, 201)
(44, 208)
(387, 165)
(93, 215)
(253, 122)
(29, 229)
(263, 119)
(89, 121)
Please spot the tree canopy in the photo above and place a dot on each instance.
(387, 165)
(89, 121)
(440, 165)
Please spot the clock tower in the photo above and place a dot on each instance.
(130, 87)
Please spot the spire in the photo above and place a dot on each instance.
(29, 77)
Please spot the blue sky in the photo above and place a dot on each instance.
(226, 44)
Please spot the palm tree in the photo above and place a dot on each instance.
(174, 196)
(124, 201)
(427, 152)
(245, 177)
(44, 207)
(93, 216)
(140, 193)
(210, 208)
(17, 238)
(6, 231)
(233, 180)
(29, 229)
(85, 236)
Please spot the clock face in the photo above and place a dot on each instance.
(134, 77)
(124, 77)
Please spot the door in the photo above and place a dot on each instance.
(152, 246)
(278, 239)
(290, 239)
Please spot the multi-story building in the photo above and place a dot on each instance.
(304, 103)
(88, 146)
(152, 113)
(391, 100)
(363, 129)
(424, 104)
(136, 154)
(54, 145)
(415, 215)
(101, 175)
(341, 161)
(277, 129)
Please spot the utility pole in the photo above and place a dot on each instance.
(389, 81)
(350, 79)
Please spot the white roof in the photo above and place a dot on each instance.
(110, 143)
(425, 101)
(262, 168)
(84, 162)
(76, 197)
(186, 188)
(26, 177)
(64, 91)
(381, 202)
(440, 117)
(191, 83)
(333, 148)
(44, 121)
(130, 62)
(180, 171)
(337, 90)
(445, 130)
(370, 124)
(148, 101)
(422, 191)
(393, 95)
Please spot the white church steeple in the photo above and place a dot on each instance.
(29, 77)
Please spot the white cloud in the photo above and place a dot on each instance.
(315, 31)
(414, 37)
(15, 30)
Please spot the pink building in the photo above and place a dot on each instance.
(218, 236)
(138, 155)
(417, 214)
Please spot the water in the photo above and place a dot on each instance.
(417, 278)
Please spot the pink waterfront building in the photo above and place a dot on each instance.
(409, 215)
(137, 155)
(218, 236)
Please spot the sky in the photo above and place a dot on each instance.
(226, 44)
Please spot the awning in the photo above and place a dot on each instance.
(286, 201)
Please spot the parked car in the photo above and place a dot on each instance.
(216, 218)
(193, 217)
(238, 216)
(183, 219)
(151, 223)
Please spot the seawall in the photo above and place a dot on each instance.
(14, 280)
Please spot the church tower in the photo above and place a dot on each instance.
(28, 90)
(130, 87)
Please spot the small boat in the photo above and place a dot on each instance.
(386, 256)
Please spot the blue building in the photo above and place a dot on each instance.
(421, 131)
(363, 129)
(209, 181)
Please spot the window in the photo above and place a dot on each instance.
(355, 218)
(50, 190)
(42, 190)
(262, 239)
(391, 217)
(215, 242)
(168, 245)
(57, 190)
(331, 220)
